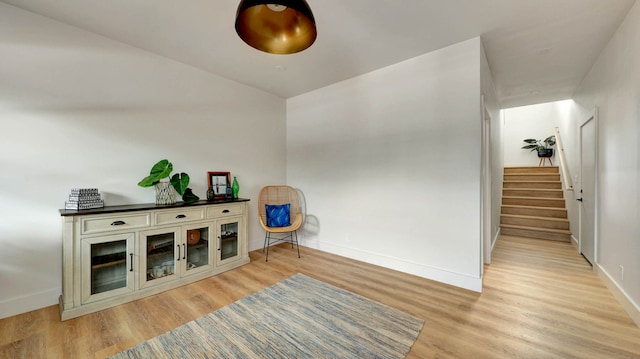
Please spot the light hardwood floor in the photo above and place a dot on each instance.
(541, 300)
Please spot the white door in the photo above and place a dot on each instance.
(587, 194)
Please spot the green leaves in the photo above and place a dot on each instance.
(550, 141)
(535, 145)
(189, 197)
(160, 170)
(180, 182)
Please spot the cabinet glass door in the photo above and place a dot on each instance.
(160, 256)
(228, 243)
(107, 266)
(198, 250)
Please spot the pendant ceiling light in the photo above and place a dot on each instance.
(276, 27)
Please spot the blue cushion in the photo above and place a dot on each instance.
(278, 215)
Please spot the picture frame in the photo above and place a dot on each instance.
(219, 181)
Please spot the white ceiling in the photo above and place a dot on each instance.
(538, 50)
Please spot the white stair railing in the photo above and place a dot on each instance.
(566, 178)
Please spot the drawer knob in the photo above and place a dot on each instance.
(225, 211)
(118, 223)
(181, 216)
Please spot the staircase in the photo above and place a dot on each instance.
(533, 204)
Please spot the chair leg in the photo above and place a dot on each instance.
(267, 235)
(293, 236)
(265, 241)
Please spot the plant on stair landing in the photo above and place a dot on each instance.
(543, 147)
(178, 181)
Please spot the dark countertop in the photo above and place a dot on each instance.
(144, 206)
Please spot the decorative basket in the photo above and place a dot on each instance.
(165, 194)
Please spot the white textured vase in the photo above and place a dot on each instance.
(165, 194)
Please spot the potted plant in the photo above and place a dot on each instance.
(164, 189)
(543, 147)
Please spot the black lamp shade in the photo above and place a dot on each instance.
(276, 27)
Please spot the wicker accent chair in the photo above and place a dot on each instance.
(278, 196)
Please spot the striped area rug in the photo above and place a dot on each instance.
(299, 317)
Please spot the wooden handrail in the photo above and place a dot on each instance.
(566, 178)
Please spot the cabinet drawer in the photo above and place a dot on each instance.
(224, 210)
(114, 223)
(179, 216)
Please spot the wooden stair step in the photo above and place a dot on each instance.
(533, 204)
(554, 212)
(533, 192)
(533, 232)
(535, 221)
(533, 201)
(532, 177)
(532, 184)
(531, 169)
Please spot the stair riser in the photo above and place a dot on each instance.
(551, 169)
(533, 184)
(537, 212)
(528, 177)
(534, 222)
(536, 234)
(515, 192)
(533, 204)
(536, 202)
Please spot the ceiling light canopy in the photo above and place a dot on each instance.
(276, 26)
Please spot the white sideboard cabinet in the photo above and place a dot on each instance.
(117, 254)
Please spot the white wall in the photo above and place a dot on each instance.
(389, 163)
(613, 86)
(496, 160)
(535, 121)
(79, 110)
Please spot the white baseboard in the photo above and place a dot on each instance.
(621, 296)
(495, 238)
(439, 275)
(574, 242)
(27, 303)
(255, 244)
